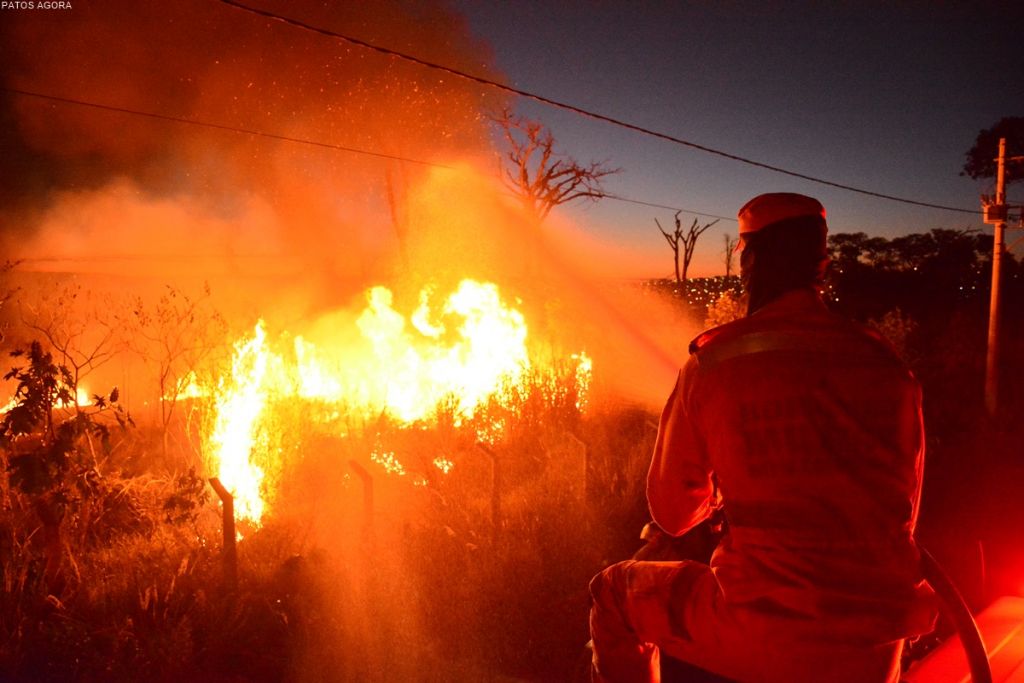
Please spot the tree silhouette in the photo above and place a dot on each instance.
(981, 158)
(538, 174)
(50, 444)
(729, 252)
(177, 334)
(919, 273)
(687, 241)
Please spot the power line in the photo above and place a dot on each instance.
(304, 141)
(579, 110)
(665, 206)
(219, 126)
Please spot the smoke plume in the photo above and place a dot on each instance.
(84, 183)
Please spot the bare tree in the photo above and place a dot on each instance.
(687, 241)
(178, 334)
(80, 328)
(540, 176)
(730, 252)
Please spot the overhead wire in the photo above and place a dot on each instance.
(579, 110)
(286, 138)
(665, 206)
(218, 126)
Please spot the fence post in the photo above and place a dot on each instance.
(367, 480)
(495, 488)
(230, 551)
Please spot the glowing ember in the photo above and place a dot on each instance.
(388, 461)
(584, 371)
(490, 432)
(443, 464)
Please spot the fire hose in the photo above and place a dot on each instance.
(955, 608)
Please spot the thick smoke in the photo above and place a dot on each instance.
(283, 230)
(82, 183)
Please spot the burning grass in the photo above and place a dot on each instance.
(464, 364)
(455, 576)
(449, 543)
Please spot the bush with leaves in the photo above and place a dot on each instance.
(51, 458)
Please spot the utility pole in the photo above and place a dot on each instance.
(996, 214)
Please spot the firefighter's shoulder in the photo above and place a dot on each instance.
(876, 340)
(717, 335)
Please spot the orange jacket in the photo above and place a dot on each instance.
(813, 430)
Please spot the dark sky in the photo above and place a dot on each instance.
(883, 96)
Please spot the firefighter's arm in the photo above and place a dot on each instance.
(679, 486)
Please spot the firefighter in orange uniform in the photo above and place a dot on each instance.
(809, 428)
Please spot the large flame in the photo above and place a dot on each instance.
(240, 402)
(413, 370)
(458, 356)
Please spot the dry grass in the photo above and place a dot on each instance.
(449, 579)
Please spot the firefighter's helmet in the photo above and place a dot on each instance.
(766, 209)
